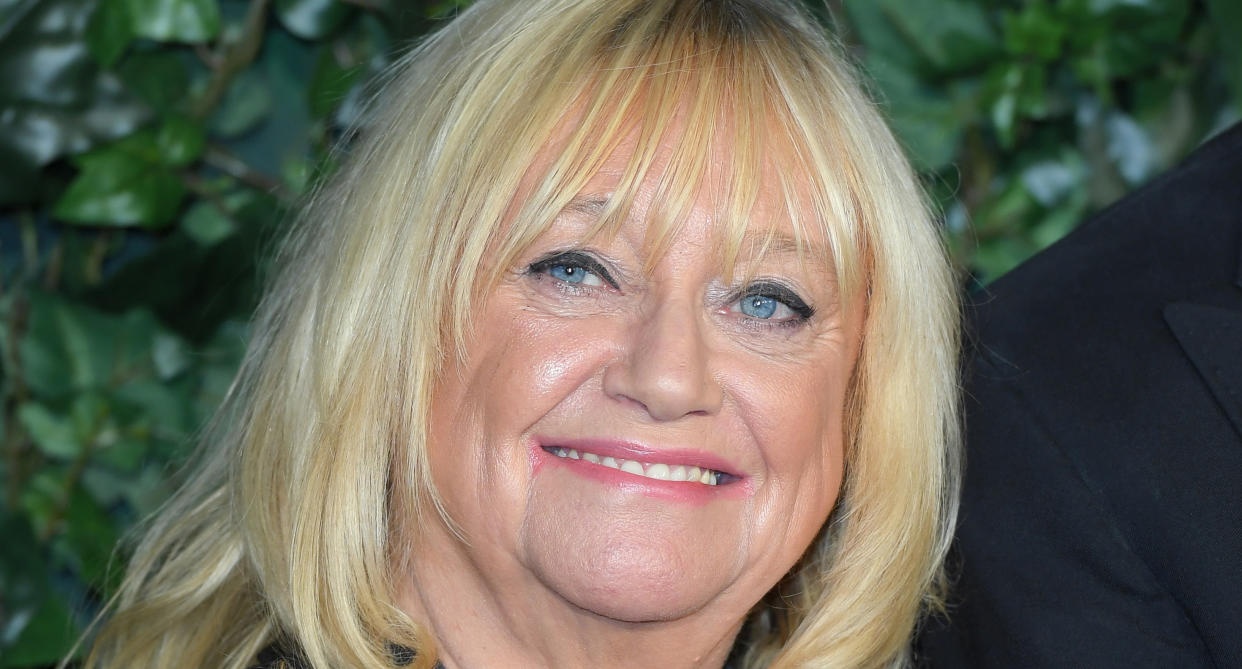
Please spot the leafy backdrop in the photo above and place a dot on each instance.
(150, 149)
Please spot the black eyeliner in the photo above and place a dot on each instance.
(573, 259)
(782, 294)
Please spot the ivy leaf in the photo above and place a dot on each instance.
(950, 34)
(54, 435)
(206, 224)
(245, 104)
(38, 627)
(123, 184)
(110, 31)
(55, 99)
(181, 141)
(330, 83)
(69, 348)
(175, 20)
(159, 78)
(87, 538)
(311, 19)
(1035, 32)
(66, 347)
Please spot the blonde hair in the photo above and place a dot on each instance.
(288, 531)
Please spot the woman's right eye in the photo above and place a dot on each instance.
(573, 268)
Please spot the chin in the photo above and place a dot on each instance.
(632, 577)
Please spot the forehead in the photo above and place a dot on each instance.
(745, 202)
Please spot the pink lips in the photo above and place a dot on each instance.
(736, 486)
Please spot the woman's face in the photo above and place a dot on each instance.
(644, 446)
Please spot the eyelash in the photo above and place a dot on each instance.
(573, 260)
(763, 289)
(781, 294)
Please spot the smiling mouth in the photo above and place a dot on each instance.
(653, 470)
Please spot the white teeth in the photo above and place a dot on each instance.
(652, 470)
(657, 471)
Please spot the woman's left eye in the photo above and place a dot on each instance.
(772, 302)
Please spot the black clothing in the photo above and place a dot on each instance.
(276, 657)
(1101, 520)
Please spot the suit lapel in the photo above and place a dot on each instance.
(1210, 331)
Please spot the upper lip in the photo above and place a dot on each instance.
(630, 450)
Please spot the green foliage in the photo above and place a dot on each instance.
(148, 151)
(150, 148)
(1027, 116)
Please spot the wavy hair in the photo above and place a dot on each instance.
(289, 529)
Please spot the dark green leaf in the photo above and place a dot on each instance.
(44, 493)
(441, 9)
(159, 77)
(66, 347)
(1141, 35)
(949, 34)
(311, 19)
(143, 491)
(53, 434)
(181, 140)
(175, 20)
(880, 37)
(55, 99)
(36, 624)
(43, 633)
(110, 31)
(1035, 32)
(87, 538)
(331, 82)
(123, 184)
(206, 224)
(69, 348)
(245, 105)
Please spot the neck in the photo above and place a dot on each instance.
(513, 620)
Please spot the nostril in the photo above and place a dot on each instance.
(631, 401)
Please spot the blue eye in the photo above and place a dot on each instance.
(574, 268)
(773, 302)
(758, 306)
(573, 274)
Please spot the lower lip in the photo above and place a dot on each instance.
(683, 492)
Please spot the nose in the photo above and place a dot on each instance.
(665, 367)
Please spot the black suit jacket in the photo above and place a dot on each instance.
(1101, 520)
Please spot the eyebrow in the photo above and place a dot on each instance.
(586, 205)
(782, 244)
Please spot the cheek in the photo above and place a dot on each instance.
(796, 416)
(546, 365)
(517, 370)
